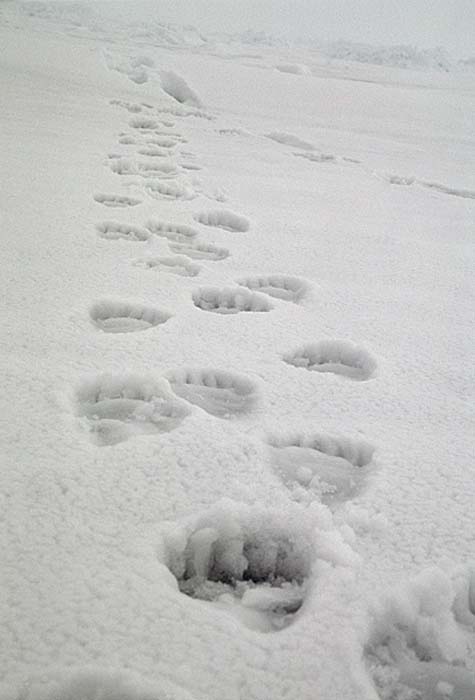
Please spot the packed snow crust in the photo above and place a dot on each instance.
(237, 361)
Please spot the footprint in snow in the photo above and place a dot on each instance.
(126, 140)
(113, 316)
(143, 124)
(321, 467)
(454, 191)
(162, 142)
(160, 169)
(117, 408)
(129, 106)
(199, 251)
(290, 140)
(116, 200)
(278, 286)
(335, 356)
(223, 218)
(154, 151)
(229, 300)
(180, 233)
(176, 264)
(113, 230)
(250, 562)
(218, 392)
(169, 190)
(423, 643)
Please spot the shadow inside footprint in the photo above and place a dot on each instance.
(218, 392)
(113, 316)
(229, 300)
(336, 356)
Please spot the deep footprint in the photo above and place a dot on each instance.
(125, 317)
(335, 356)
(113, 230)
(251, 562)
(199, 251)
(278, 286)
(218, 392)
(116, 200)
(121, 407)
(223, 218)
(321, 467)
(229, 300)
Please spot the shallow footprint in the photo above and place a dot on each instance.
(113, 230)
(177, 264)
(121, 407)
(199, 251)
(113, 316)
(278, 286)
(116, 200)
(336, 356)
(174, 232)
(223, 218)
(169, 190)
(321, 467)
(229, 300)
(218, 392)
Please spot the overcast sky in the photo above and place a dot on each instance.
(426, 23)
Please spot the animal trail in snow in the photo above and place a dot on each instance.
(218, 392)
(199, 251)
(278, 286)
(251, 562)
(223, 218)
(116, 200)
(113, 316)
(455, 192)
(144, 124)
(229, 300)
(169, 190)
(157, 169)
(176, 264)
(113, 230)
(121, 407)
(321, 467)
(335, 356)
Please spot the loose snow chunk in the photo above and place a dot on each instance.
(331, 468)
(174, 232)
(169, 190)
(98, 684)
(199, 251)
(113, 230)
(120, 407)
(177, 87)
(229, 300)
(290, 140)
(336, 356)
(218, 392)
(279, 286)
(125, 317)
(222, 218)
(177, 264)
(258, 558)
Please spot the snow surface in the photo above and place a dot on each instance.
(200, 500)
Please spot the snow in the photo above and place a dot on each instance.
(237, 361)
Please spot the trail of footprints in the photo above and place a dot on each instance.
(264, 572)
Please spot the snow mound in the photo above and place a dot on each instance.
(278, 286)
(199, 251)
(336, 356)
(418, 650)
(218, 392)
(114, 316)
(113, 230)
(223, 218)
(400, 56)
(229, 300)
(289, 140)
(321, 467)
(174, 232)
(177, 87)
(234, 553)
(117, 408)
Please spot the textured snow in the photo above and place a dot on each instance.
(237, 364)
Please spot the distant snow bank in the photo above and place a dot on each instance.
(397, 56)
